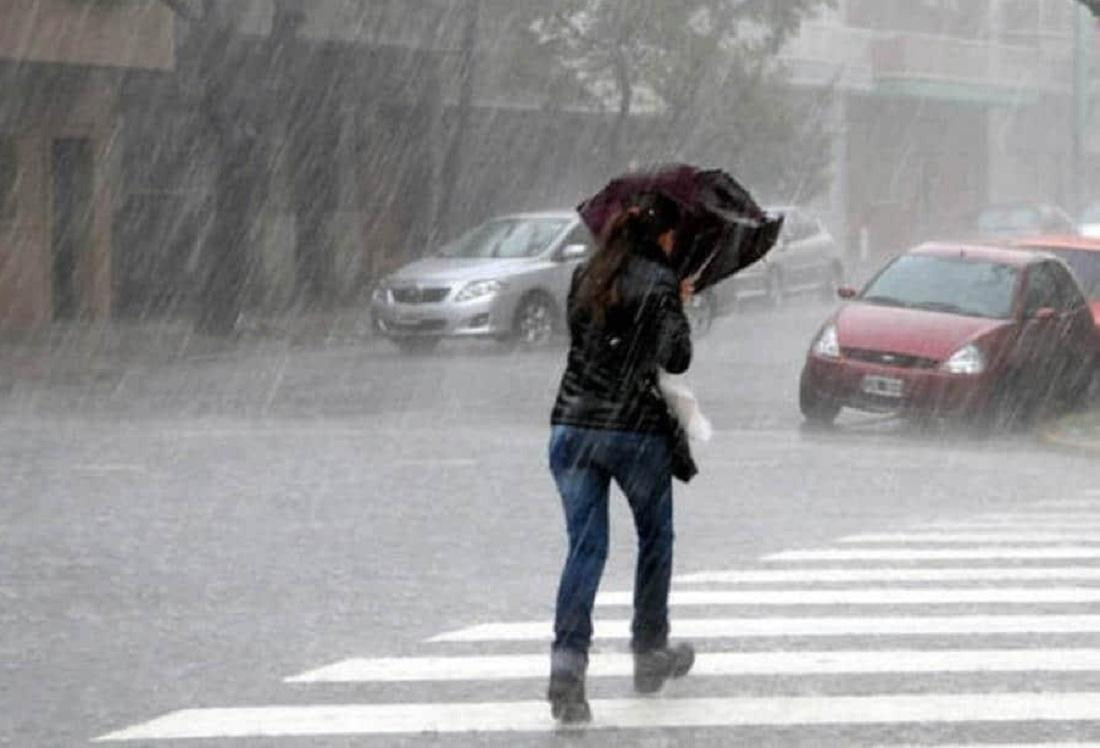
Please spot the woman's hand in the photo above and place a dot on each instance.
(687, 289)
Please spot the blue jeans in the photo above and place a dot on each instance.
(583, 462)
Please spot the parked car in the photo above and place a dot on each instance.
(506, 279)
(805, 259)
(1090, 221)
(955, 330)
(1022, 219)
(1082, 254)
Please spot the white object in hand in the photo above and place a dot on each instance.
(685, 406)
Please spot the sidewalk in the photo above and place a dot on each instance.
(70, 353)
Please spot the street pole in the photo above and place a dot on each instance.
(1082, 43)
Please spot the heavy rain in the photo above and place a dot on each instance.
(309, 384)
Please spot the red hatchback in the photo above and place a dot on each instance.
(955, 330)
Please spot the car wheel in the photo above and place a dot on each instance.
(534, 324)
(833, 281)
(774, 288)
(817, 409)
(700, 313)
(414, 346)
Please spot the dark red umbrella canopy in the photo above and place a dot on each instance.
(722, 231)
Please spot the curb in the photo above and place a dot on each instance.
(1052, 435)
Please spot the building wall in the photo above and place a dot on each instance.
(137, 34)
(947, 106)
(82, 108)
(61, 66)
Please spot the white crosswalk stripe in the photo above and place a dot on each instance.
(937, 554)
(895, 574)
(802, 662)
(1023, 582)
(533, 716)
(802, 626)
(884, 596)
(1069, 536)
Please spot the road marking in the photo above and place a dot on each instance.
(808, 626)
(516, 667)
(1077, 536)
(1029, 516)
(930, 554)
(1047, 525)
(534, 716)
(883, 596)
(890, 574)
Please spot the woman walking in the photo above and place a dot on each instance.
(626, 321)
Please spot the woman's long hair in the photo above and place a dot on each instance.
(646, 217)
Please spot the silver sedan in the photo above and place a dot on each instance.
(507, 279)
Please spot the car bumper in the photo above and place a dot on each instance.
(485, 317)
(863, 385)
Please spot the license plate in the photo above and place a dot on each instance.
(883, 386)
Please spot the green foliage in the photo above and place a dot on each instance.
(706, 70)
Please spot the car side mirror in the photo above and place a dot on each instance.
(573, 252)
(846, 292)
(1045, 313)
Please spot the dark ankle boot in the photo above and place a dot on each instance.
(653, 668)
(566, 692)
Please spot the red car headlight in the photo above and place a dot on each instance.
(966, 360)
(827, 345)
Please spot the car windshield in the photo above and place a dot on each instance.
(946, 284)
(506, 238)
(1085, 265)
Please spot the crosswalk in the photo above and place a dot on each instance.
(883, 621)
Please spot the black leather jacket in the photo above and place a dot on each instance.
(611, 370)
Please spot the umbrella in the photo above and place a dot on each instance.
(723, 230)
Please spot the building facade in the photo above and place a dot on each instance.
(62, 63)
(942, 106)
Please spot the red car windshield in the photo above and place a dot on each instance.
(945, 284)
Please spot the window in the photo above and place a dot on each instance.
(580, 235)
(506, 238)
(9, 176)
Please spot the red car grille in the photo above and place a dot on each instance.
(900, 360)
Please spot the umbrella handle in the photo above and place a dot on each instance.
(706, 263)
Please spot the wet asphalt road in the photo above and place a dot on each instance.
(190, 535)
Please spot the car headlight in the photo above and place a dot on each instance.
(827, 344)
(966, 360)
(478, 289)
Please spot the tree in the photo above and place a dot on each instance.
(223, 128)
(699, 67)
